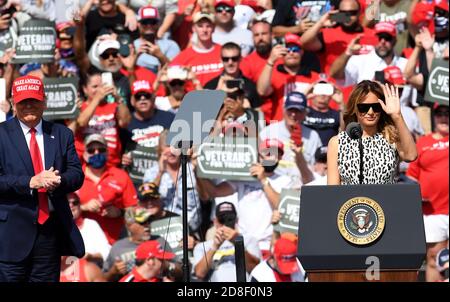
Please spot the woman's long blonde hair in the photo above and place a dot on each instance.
(385, 124)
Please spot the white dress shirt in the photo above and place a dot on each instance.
(40, 142)
(363, 67)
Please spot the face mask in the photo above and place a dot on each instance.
(269, 165)
(97, 161)
(440, 24)
(67, 53)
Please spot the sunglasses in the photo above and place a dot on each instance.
(142, 95)
(364, 108)
(234, 59)
(176, 83)
(385, 37)
(224, 8)
(74, 202)
(293, 48)
(149, 22)
(441, 113)
(350, 12)
(106, 55)
(91, 150)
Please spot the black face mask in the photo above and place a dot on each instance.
(269, 165)
(228, 220)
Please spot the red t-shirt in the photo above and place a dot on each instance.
(142, 73)
(336, 41)
(282, 84)
(252, 65)
(206, 65)
(114, 188)
(431, 170)
(103, 122)
(134, 276)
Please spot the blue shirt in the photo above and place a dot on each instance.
(168, 47)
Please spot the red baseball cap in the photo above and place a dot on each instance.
(253, 4)
(148, 12)
(394, 75)
(442, 4)
(141, 86)
(270, 143)
(234, 126)
(27, 87)
(285, 254)
(152, 249)
(291, 38)
(423, 15)
(229, 3)
(386, 27)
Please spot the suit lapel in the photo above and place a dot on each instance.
(49, 144)
(18, 139)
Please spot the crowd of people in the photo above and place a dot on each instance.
(295, 74)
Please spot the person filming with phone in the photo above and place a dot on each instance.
(231, 58)
(300, 142)
(102, 112)
(155, 52)
(214, 260)
(335, 30)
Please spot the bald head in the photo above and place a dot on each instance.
(349, 5)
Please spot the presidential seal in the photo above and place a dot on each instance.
(361, 220)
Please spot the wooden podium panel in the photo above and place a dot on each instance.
(360, 276)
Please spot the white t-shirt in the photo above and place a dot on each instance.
(363, 67)
(224, 265)
(94, 238)
(163, 103)
(254, 210)
(264, 273)
(242, 37)
(287, 166)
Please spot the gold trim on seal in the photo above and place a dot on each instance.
(370, 237)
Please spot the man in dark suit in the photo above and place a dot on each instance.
(38, 167)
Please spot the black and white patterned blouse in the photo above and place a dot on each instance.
(380, 160)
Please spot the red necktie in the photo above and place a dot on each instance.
(37, 165)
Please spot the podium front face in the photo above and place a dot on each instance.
(349, 228)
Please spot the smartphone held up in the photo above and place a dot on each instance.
(107, 80)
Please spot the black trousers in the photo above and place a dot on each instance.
(43, 263)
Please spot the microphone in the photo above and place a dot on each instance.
(354, 130)
(442, 262)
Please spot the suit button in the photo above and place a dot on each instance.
(35, 222)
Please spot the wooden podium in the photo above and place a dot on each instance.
(345, 231)
(360, 276)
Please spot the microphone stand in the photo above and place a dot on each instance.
(184, 162)
(361, 165)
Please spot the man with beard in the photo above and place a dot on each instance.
(231, 58)
(256, 199)
(356, 68)
(331, 39)
(253, 64)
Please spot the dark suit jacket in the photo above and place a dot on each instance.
(19, 206)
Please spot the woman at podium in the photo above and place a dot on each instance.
(375, 126)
